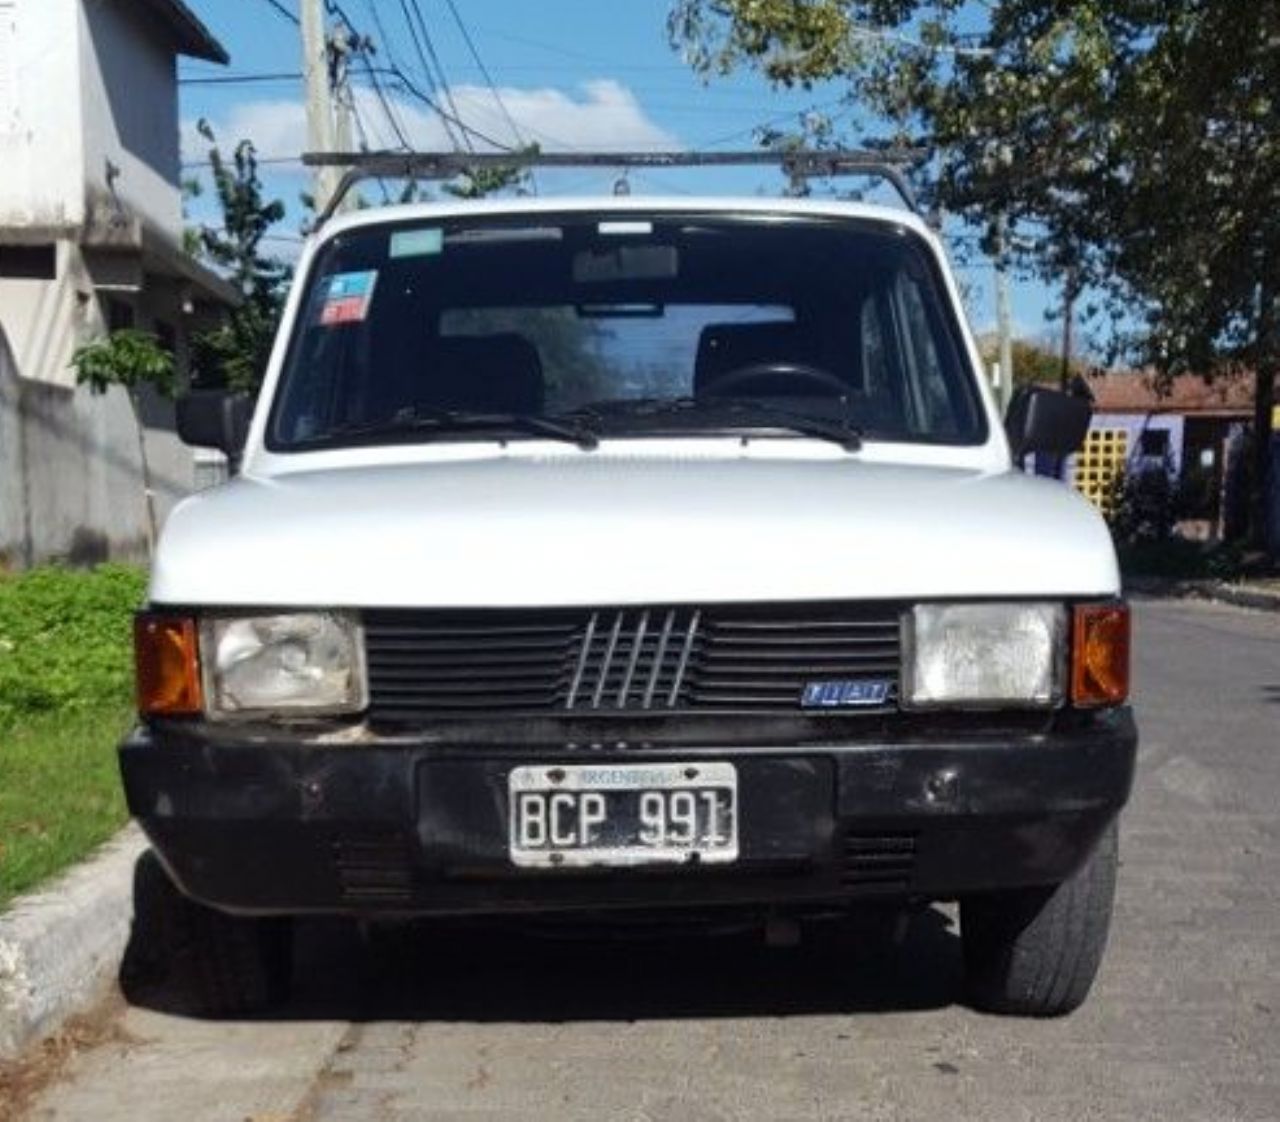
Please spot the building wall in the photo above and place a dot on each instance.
(89, 159)
(71, 480)
(41, 127)
(1274, 523)
(115, 107)
(45, 320)
(129, 105)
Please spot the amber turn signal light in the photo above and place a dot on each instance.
(1100, 655)
(167, 665)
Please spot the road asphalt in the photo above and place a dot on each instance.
(1181, 1026)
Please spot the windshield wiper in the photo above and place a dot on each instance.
(842, 432)
(839, 431)
(455, 420)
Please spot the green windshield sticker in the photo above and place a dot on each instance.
(417, 243)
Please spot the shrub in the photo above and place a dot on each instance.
(65, 638)
(1144, 505)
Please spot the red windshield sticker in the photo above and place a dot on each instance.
(347, 298)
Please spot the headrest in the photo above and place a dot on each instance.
(723, 347)
(499, 373)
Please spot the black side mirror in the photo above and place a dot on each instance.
(1043, 420)
(215, 419)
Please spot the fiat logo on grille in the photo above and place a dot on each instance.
(845, 693)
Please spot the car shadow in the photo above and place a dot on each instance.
(491, 973)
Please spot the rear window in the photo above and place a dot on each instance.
(613, 317)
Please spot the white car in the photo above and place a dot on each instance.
(627, 556)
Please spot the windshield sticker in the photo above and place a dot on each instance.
(417, 243)
(347, 298)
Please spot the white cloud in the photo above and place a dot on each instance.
(603, 115)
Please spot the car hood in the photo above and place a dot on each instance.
(605, 528)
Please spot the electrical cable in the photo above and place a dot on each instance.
(484, 70)
(363, 48)
(442, 83)
(279, 7)
(427, 72)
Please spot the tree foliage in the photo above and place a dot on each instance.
(131, 360)
(480, 182)
(1033, 365)
(1135, 144)
(235, 353)
(128, 358)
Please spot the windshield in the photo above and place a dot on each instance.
(627, 325)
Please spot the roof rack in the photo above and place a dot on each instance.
(805, 163)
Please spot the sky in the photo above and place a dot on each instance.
(568, 74)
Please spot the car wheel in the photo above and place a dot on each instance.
(207, 962)
(1035, 952)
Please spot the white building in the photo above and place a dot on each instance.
(90, 239)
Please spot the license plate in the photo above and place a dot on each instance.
(623, 815)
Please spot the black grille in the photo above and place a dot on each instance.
(878, 862)
(609, 660)
(375, 867)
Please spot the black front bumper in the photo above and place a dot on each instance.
(418, 827)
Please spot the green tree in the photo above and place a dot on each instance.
(130, 360)
(235, 353)
(480, 182)
(1033, 365)
(1136, 143)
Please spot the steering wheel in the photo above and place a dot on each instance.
(828, 383)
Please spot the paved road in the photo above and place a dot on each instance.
(1183, 1023)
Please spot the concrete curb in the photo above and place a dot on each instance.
(1243, 597)
(1240, 595)
(60, 946)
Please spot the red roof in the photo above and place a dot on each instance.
(1131, 392)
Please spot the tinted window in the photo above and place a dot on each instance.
(616, 318)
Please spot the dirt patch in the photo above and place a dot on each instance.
(22, 1080)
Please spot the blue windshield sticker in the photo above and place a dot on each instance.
(417, 243)
(347, 297)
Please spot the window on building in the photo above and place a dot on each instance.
(1154, 442)
(119, 314)
(29, 262)
(167, 336)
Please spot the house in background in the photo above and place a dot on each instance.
(1193, 430)
(91, 239)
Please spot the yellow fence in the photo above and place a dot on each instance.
(1099, 464)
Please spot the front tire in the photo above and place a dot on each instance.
(207, 962)
(1035, 952)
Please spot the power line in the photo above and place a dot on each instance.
(484, 70)
(777, 118)
(426, 69)
(264, 161)
(385, 102)
(443, 83)
(279, 7)
(410, 87)
(385, 41)
(363, 47)
(241, 79)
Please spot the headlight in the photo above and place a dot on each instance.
(984, 655)
(303, 664)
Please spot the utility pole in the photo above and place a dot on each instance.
(341, 48)
(321, 129)
(1004, 320)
